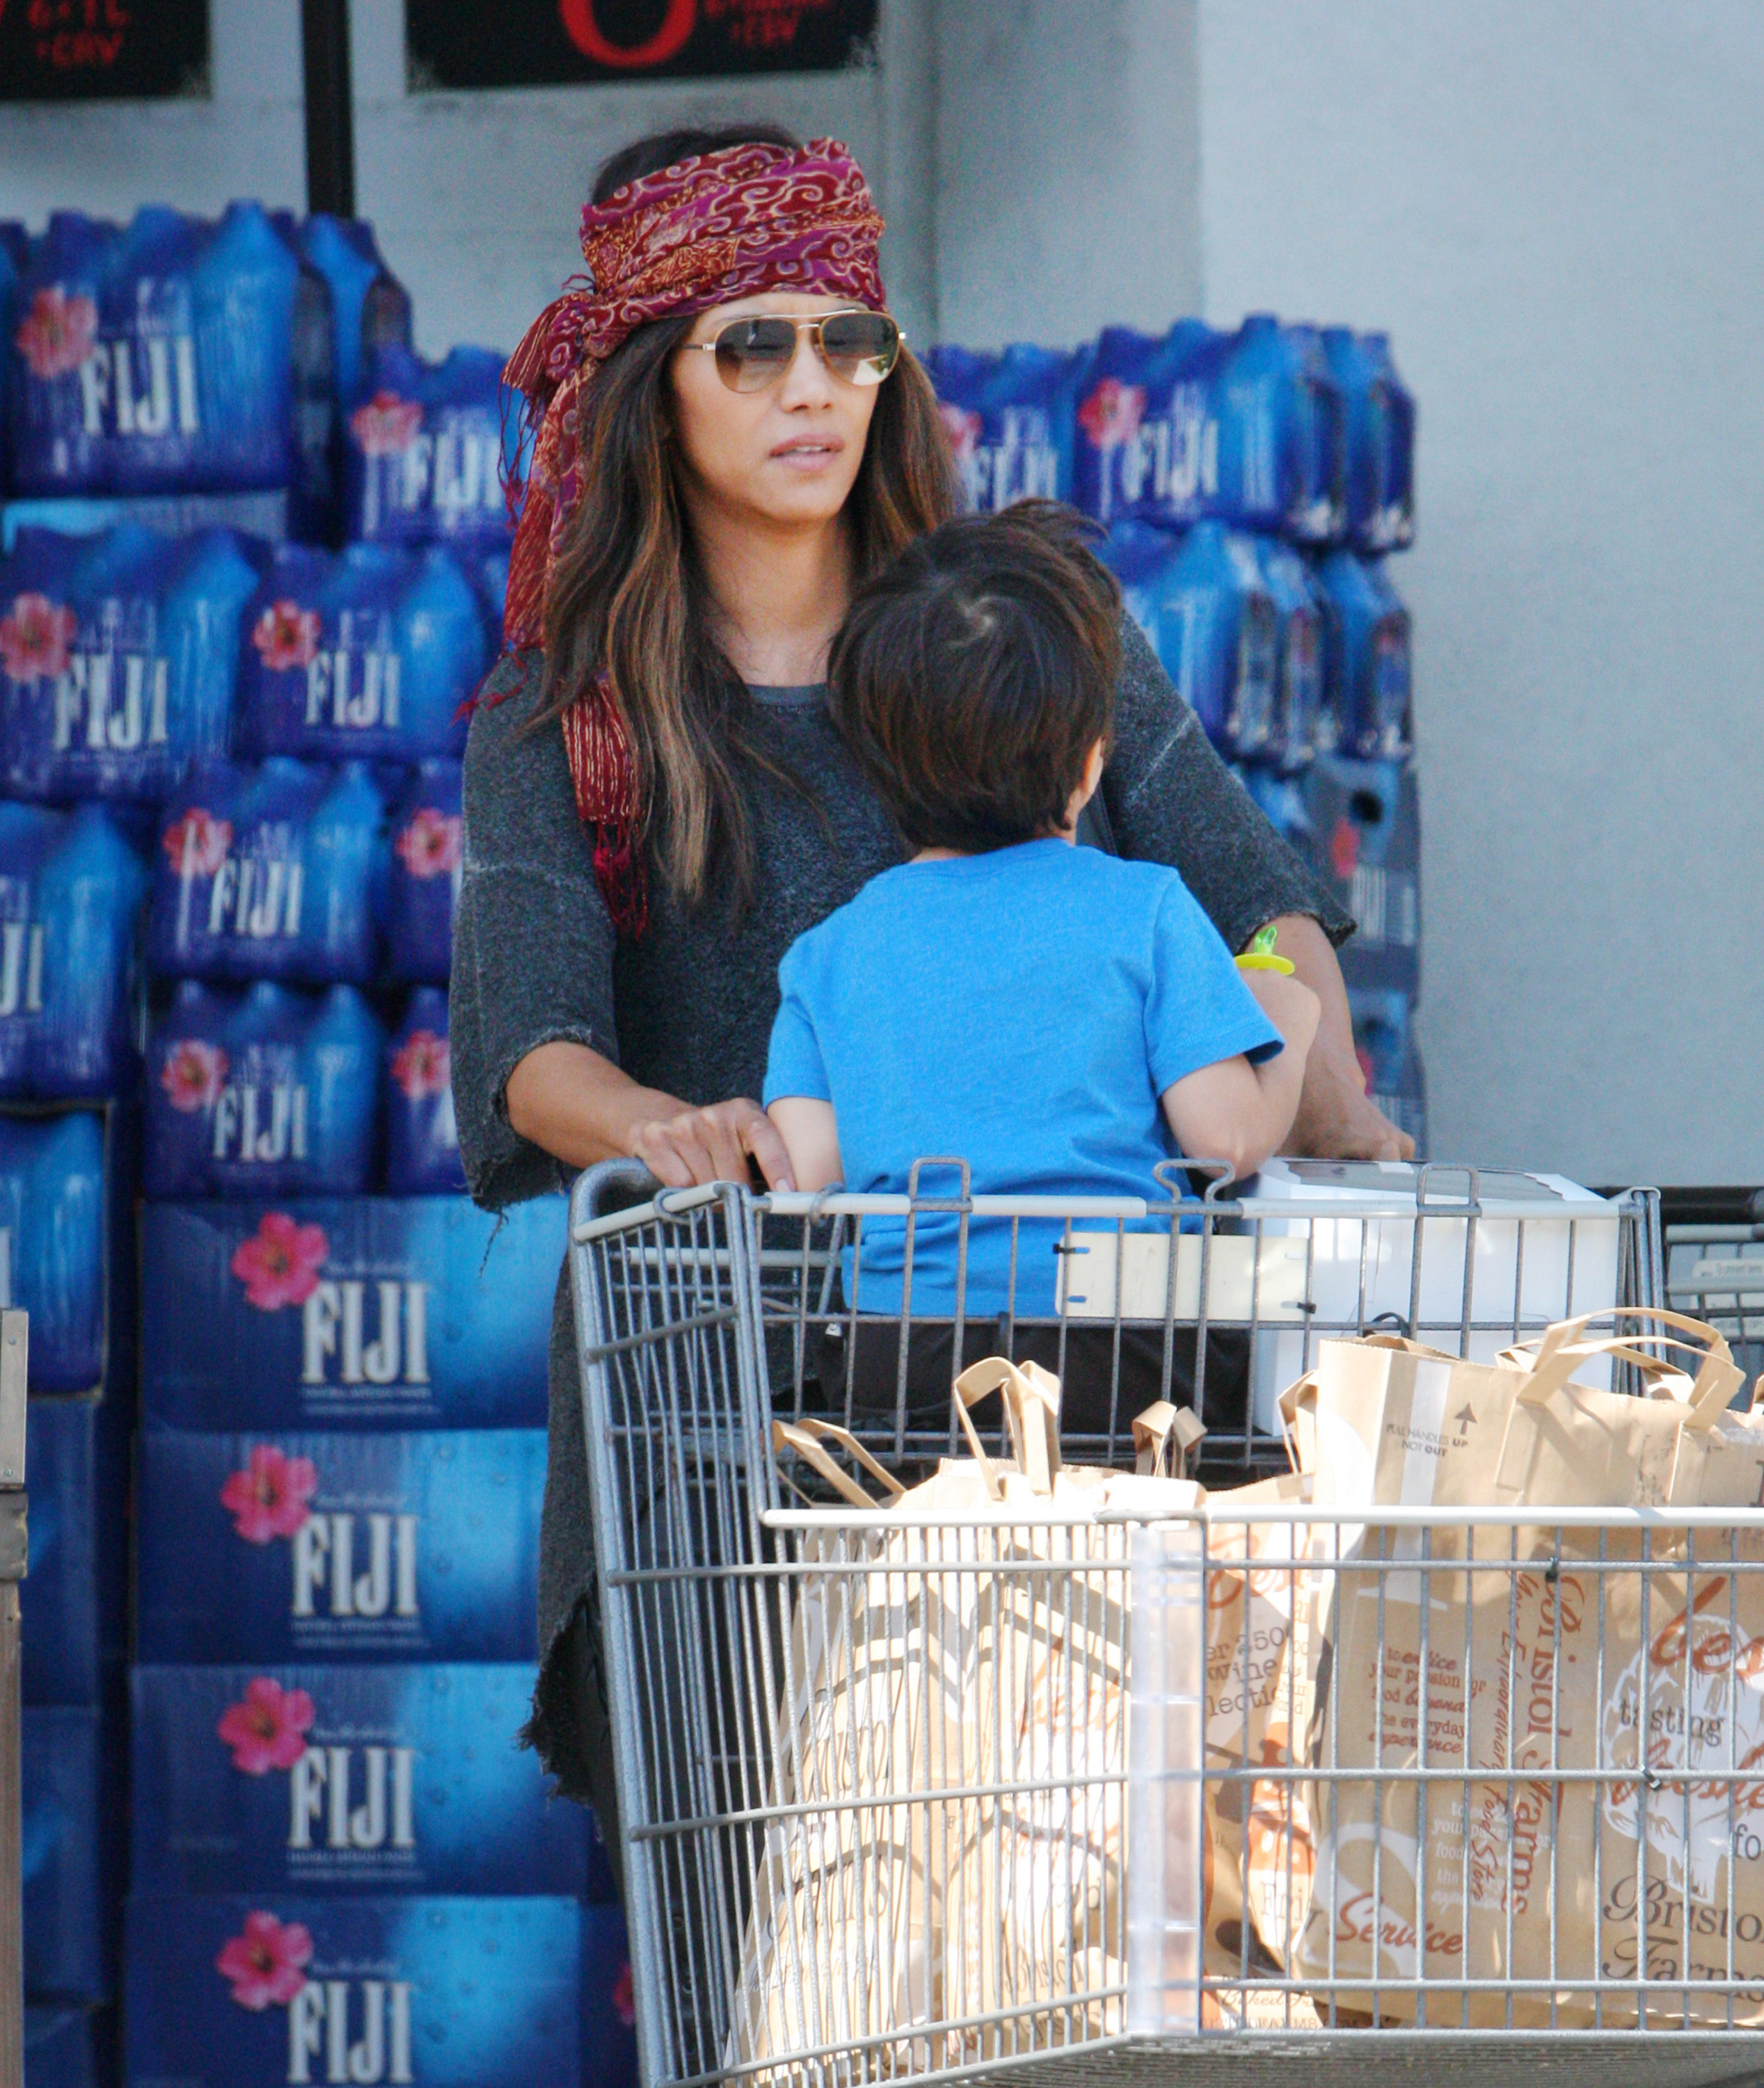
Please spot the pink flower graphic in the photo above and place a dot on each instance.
(962, 426)
(264, 1961)
(197, 843)
(287, 636)
(267, 1728)
(1344, 849)
(56, 333)
(1113, 412)
(35, 638)
(268, 1498)
(430, 845)
(279, 1265)
(194, 1074)
(624, 2000)
(387, 425)
(421, 1066)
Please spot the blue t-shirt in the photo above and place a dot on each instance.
(1022, 1010)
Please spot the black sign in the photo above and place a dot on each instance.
(102, 50)
(553, 43)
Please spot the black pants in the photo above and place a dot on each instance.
(581, 1658)
(858, 1366)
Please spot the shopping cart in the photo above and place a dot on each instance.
(909, 1796)
(1714, 1266)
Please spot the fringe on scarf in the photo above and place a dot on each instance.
(605, 779)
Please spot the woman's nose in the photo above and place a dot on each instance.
(807, 382)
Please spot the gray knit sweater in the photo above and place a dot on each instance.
(688, 1007)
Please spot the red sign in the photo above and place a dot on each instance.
(549, 43)
(102, 50)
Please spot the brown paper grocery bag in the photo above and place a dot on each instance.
(1684, 1839)
(1043, 1868)
(875, 1668)
(1261, 1855)
(884, 1922)
(1571, 1445)
(1512, 1662)
(1394, 1424)
(1681, 1835)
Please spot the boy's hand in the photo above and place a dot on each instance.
(1291, 1006)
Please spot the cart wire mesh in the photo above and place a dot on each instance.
(1714, 1271)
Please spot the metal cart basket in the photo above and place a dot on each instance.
(918, 1795)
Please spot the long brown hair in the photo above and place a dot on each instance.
(627, 596)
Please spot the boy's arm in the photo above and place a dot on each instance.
(1232, 1111)
(811, 1138)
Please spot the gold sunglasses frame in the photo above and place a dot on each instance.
(813, 326)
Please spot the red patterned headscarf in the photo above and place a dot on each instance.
(703, 232)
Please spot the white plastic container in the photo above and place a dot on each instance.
(1469, 1263)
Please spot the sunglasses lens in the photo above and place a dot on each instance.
(752, 353)
(862, 347)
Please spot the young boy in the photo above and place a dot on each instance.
(1062, 1019)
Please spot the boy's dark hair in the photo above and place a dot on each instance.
(971, 676)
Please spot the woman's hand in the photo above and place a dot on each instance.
(1335, 1120)
(573, 1103)
(712, 1145)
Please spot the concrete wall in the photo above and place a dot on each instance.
(1068, 168)
(475, 198)
(1555, 209)
(1039, 168)
(109, 157)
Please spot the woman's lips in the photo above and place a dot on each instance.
(808, 452)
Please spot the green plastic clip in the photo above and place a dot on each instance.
(1260, 956)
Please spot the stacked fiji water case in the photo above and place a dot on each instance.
(1363, 821)
(1248, 488)
(187, 371)
(73, 886)
(341, 1855)
(251, 564)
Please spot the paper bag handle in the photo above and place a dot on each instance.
(1661, 1374)
(1031, 1400)
(804, 1437)
(1156, 1429)
(1558, 1353)
(1302, 1391)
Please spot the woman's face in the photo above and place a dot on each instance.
(789, 454)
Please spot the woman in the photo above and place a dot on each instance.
(730, 437)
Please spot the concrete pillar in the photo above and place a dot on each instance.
(1068, 167)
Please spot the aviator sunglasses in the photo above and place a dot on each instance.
(860, 346)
